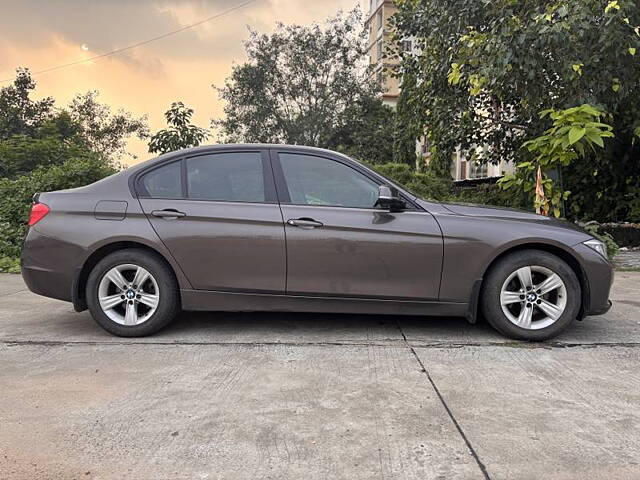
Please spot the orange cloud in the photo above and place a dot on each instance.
(147, 79)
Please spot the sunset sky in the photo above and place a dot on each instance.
(145, 80)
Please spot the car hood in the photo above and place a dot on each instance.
(502, 213)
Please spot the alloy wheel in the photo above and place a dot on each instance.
(128, 294)
(533, 297)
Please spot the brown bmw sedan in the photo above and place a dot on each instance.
(289, 228)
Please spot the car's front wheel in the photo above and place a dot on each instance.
(531, 295)
(132, 293)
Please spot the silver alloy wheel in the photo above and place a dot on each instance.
(533, 297)
(128, 294)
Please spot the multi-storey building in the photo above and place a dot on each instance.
(377, 25)
(377, 21)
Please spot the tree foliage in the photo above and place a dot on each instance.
(368, 135)
(180, 133)
(488, 68)
(19, 114)
(407, 126)
(36, 131)
(53, 141)
(44, 148)
(310, 86)
(573, 132)
(103, 131)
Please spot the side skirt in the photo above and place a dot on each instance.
(193, 300)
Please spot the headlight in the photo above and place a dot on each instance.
(598, 246)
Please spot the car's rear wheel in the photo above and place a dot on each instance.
(531, 295)
(132, 293)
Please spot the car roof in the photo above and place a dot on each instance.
(230, 146)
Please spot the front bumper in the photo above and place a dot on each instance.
(602, 310)
(598, 278)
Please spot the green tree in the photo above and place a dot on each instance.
(488, 68)
(310, 86)
(180, 134)
(367, 136)
(574, 130)
(19, 114)
(105, 132)
(406, 128)
(43, 148)
(36, 133)
(52, 142)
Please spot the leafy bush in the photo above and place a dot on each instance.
(604, 237)
(9, 264)
(573, 130)
(624, 234)
(429, 186)
(424, 185)
(491, 194)
(16, 195)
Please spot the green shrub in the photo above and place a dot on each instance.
(429, 186)
(9, 264)
(491, 194)
(424, 185)
(604, 237)
(16, 196)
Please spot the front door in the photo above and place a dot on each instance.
(217, 214)
(339, 244)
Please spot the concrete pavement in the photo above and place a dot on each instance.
(240, 395)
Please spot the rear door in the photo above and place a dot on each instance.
(339, 244)
(217, 214)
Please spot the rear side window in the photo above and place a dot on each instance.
(230, 177)
(164, 182)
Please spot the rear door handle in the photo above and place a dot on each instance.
(304, 222)
(168, 213)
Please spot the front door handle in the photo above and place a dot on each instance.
(304, 222)
(168, 213)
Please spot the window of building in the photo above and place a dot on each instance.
(230, 177)
(379, 48)
(315, 180)
(407, 45)
(164, 182)
(379, 21)
(478, 170)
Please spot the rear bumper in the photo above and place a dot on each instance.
(46, 282)
(48, 265)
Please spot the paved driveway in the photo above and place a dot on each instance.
(250, 396)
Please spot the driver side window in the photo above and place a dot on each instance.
(315, 180)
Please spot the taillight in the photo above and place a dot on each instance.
(38, 212)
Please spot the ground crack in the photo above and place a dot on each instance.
(424, 370)
(388, 342)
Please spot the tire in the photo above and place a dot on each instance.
(141, 311)
(545, 315)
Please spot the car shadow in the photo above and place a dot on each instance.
(288, 327)
(318, 328)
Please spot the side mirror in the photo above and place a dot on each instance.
(389, 199)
